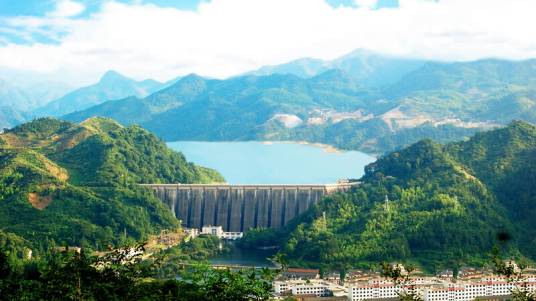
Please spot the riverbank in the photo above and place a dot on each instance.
(326, 147)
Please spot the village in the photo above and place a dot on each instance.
(469, 284)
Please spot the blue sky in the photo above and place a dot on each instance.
(40, 7)
(78, 40)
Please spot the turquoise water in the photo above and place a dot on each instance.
(275, 163)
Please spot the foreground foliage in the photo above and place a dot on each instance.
(122, 275)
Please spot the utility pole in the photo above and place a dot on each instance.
(386, 202)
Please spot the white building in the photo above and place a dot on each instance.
(232, 235)
(212, 230)
(218, 231)
(318, 289)
(373, 291)
(491, 286)
(282, 287)
(381, 288)
(428, 288)
(315, 287)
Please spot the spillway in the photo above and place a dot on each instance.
(238, 208)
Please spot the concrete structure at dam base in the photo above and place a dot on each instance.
(238, 208)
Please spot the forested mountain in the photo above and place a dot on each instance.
(440, 101)
(111, 86)
(77, 184)
(236, 108)
(437, 205)
(478, 91)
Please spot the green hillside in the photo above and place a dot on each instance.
(232, 109)
(77, 183)
(437, 205)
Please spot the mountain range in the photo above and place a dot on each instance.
(442, 101)
(112, 85)
(363, 101)
(369, 68)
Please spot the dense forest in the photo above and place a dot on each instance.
(430, 204)
(77, 184)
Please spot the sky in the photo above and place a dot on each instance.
(76, 41)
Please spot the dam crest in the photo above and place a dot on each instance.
(238, 208)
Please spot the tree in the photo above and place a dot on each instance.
(401, 277)
(514, 273)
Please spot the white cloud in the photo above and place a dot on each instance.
(67, 8)
(366, 3)
(227, 37)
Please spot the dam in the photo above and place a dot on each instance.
(238, 208)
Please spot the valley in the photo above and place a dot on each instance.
(438, 170)
(267, 150)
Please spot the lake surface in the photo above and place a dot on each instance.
(275, 162)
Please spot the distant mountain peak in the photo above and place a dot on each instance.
(369, 68)
(113, 76)
(112, 86)
(191, 76)
(101, 124)
(190, 79)
(359, 52)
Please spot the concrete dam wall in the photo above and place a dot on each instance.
(239, 207)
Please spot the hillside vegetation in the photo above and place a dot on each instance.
(437, 205)
(77, 184)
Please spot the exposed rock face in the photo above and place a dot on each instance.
(288, 120)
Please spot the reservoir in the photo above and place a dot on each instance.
(275, 162)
